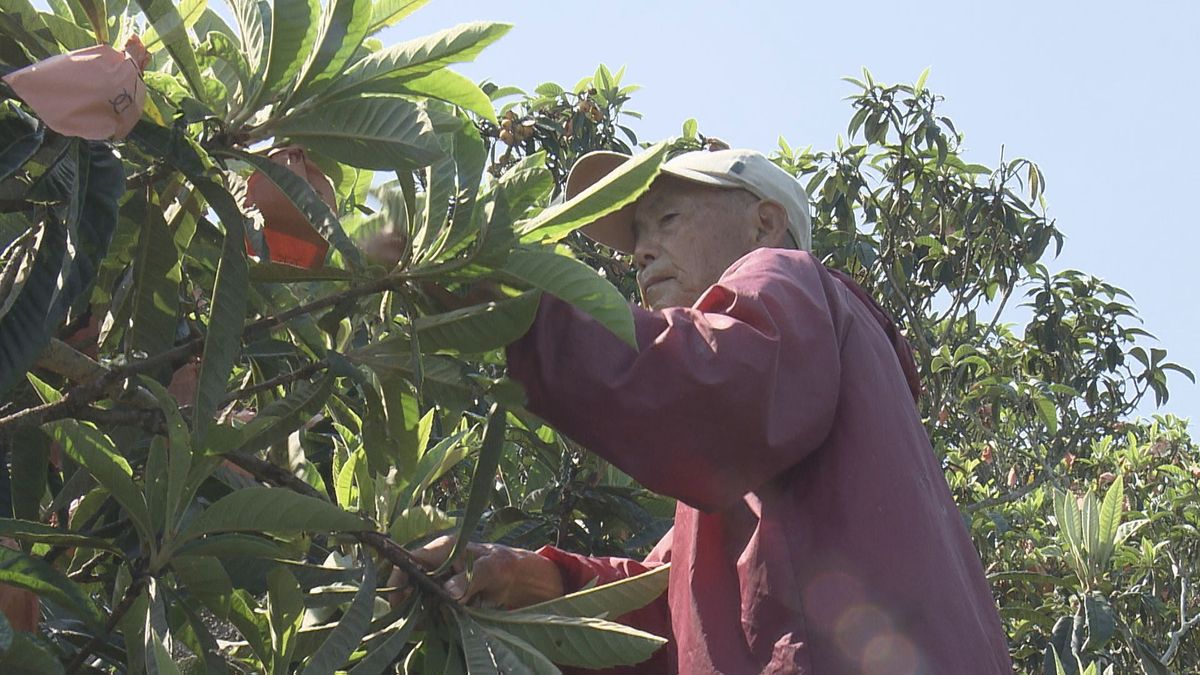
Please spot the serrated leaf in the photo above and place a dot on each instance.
(294, 26)
(447, 85)
(345, 638)
(575, 283)
(609, 600)
(277, 510)
(343, 28)
(93, 450)
(388, 12)
(575, 641)
(620, 187)
(315, 211)
(418, 57)
(480, 328)
(172, 30)
(385, 133)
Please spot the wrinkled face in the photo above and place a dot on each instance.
(687, 234)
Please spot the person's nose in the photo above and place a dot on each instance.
(644, 253)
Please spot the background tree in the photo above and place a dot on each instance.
(188, 317)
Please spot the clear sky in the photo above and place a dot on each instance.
(1102, 95)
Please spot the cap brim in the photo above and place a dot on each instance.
(614, 230)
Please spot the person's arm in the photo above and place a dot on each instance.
(717, 400)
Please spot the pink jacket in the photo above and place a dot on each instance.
(814, 532)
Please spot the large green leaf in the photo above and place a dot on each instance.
(609, 600)
(530, 658)
(33, 532)
(277, 420)
(93, 450)
(484, 654)
(381, 656)
(575, 641)
(620, 187)
(1110, 520)
(286, 609)
(172, 30)
(417, 57)
(345, 638)
(28, 457)
(206, 579)
(576, 283)
(222, 346)
(311, 206)
(73, 240)
(157, 275)
(22, 136)
(294, 27)
(343, 27)
(418, 522)
(26, 657)
(278, 510)
(20, 570)
(386, 133)
(190, 12)
(233, 545)
(388, 12)
(254, 30)
(478, 329)
(483, 481)
(179, 453)
(447, 85)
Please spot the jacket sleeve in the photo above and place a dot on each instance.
(717, 400)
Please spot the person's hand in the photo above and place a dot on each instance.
(487, 575)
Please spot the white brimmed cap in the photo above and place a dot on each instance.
(745, 169)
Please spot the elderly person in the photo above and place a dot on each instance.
(814, 531)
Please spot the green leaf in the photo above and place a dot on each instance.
(172, 30)
(533, 660)
(179, 452)
(620, 187)
(315, 211)
(206, 579)
(29, 459)
(285, 611)
(222, 345)
(478, 329)
(289, 274)
(38, 533)
(575, 641)
(386, 133)
(20, 570)
(277, 510)
(418, 522)
(388, 12)
(576, 283)
(1110, 519)
(485, 655)
(483, 481)
(157, 275)
(920, 85)
(417, 57)
(22, 135)
(233, 546)
(96, 453)
(447, 85)
(433, 464)
(294, 26)
(277, 420)
(190, 12)
(1048, 412)
(27, 657)
(345, 638)
(343, 28)
(89, 178)
(382, 656)
(690, 128)
(609, 600)
(1101, 621)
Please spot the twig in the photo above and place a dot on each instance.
(383, 544)
(118, 612)
(301, 373)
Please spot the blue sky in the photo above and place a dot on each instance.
(1102, 95)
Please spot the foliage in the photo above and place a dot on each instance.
(215, 457)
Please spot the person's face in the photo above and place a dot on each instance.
(686, 235)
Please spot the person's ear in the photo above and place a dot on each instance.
(771, 224)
